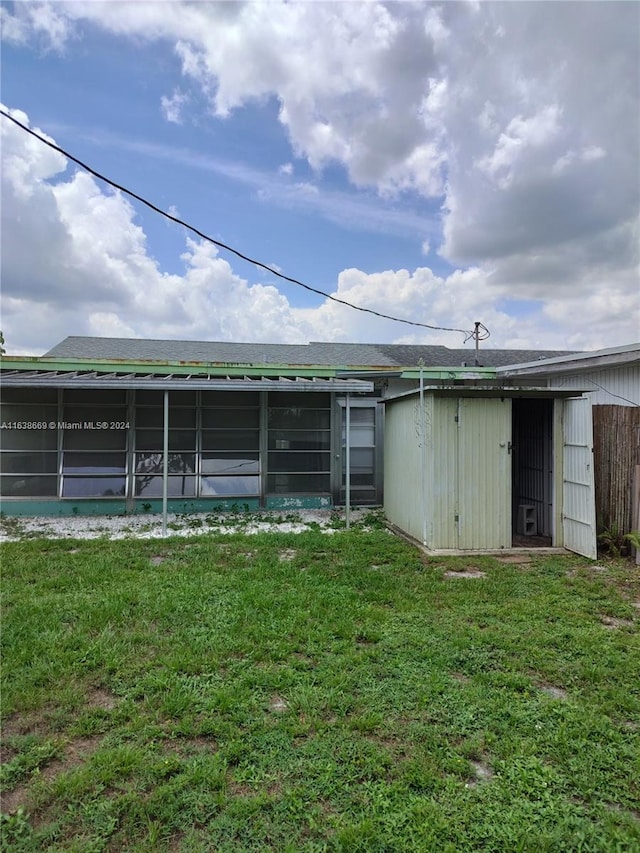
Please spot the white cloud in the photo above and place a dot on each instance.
(172, 107)
(306, 188)
(520, 135)
(75, 259)
(523, 124)
(100, 279)
(285, 169)
(592, 152)
(42, 20)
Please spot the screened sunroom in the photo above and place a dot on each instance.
(99, 440)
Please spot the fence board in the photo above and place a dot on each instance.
(616, 451)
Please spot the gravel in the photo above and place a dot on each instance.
(150, 526)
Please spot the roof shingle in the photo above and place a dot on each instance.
(314, 353)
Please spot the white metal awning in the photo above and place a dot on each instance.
(192, 382)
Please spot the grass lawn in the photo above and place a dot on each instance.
(316, 692)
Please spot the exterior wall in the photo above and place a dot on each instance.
(403, 468)
(393, 386)
(456, 493)
(622, 385)
(100, 451)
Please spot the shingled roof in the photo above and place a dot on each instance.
(314, 353)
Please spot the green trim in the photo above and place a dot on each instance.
(154, 506)
(63, 508)
(164, 368)
(450, 373)
(203, 368)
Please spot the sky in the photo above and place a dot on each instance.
(443, 163)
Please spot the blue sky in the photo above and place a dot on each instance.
(438, 162)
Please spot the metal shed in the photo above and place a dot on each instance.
(471, 467)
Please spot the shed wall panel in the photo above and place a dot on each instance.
(443, 476)
(403, 467)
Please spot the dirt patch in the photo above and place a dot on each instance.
(7, 753)
(186, 746)
(287, 555)
(33, 723)
(10, 801)
(203, 743)
(618, 809)
(175, 841)
(278, 705)
(76, 752)
(614, 622)
(157, 559)
(240, 789)
(460, 677)
(482, 772)
(466, 573)
(516, 559)
(553, 691)
(581, 570)
(100, 698)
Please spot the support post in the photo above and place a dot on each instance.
(423, 458)
(635, 507)
(347, 461)
(165, 462)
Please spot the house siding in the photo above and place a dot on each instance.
(619, 386)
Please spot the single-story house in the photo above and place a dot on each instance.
(122, 425)
(248, 424)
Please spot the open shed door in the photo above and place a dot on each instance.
(578, 491)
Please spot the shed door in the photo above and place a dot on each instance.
(484, 473)
(578, 492)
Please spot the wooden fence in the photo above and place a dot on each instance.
(616, 450)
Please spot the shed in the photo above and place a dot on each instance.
(613, 379)
(489, 466)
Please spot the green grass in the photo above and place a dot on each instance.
(315, 692)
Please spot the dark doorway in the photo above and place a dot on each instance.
(532, 472)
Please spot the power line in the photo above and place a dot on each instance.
(218, 243)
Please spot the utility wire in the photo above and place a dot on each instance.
(602, 388)
(218, 242)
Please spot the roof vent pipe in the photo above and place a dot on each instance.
(480, 333)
